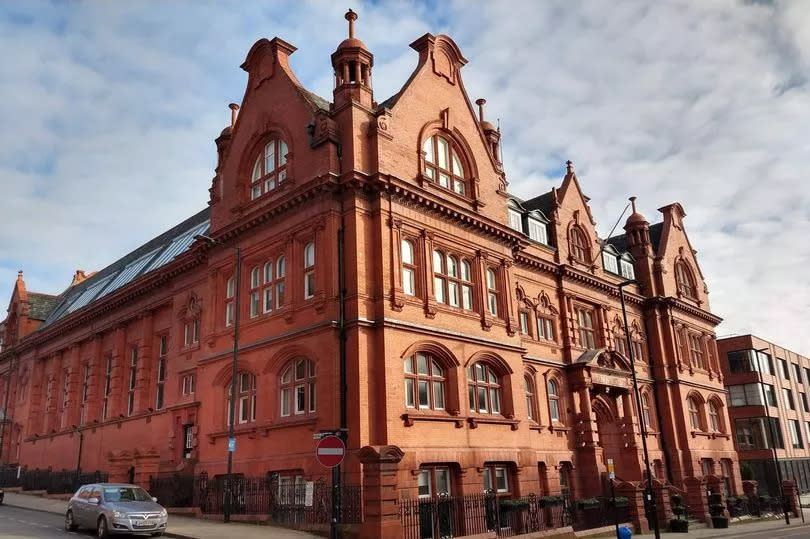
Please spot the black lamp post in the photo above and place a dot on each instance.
(648, 493)
(226, 513)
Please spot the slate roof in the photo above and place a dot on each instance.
(544, 203)
(620, 241)
(41, 305)
(388, 103)
(148, 257)
(317, 100)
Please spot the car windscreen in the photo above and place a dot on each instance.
(126, 494)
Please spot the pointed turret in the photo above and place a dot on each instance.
(352, 63)
(638, 233)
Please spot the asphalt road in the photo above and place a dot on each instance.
(19, 523)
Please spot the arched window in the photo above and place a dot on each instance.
(531, 402)
(579, 246)
(694, 414)
(408, 268)
(685, 280)
(269, 169)
(255, 293)
(309, 270)
(443, 164)
(492, 292)
(638, 350)
(484, 389)
(229, 303)
(297, 387)
(645, 410)
(553, 401)
(439, 277)
(424, 382)
(620, 341)
(245, 399)
(715, 419)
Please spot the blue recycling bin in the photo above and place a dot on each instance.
(625, 533)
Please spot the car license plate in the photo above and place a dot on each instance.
(143, 525)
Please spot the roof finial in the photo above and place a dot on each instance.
(569, 166)
(234, 107)
(351, 16)
(20, 275)
(633, 203)
(481, 102)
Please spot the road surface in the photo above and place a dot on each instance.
(18, 523)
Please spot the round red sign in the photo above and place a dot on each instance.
(330, 451)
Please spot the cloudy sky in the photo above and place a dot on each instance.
(109, 111)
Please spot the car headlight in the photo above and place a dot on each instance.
(164, 513)
(119, 514)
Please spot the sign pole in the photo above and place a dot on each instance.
(330, 451)
(612, 474)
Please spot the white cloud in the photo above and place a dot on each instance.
(113, 109)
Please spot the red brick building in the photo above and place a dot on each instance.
(483, 333)
(769, 409)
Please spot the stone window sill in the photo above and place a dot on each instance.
(411, 417)
(474, 421)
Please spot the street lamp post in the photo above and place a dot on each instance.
(226, 513)
(648, 493)
(773, 435)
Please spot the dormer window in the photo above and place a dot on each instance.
(627, 268)
(515, 220)
(443, 164)
(269, 169)
(538, 231)
(609, 261)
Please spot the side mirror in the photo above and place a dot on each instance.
(154, 499)
(94, 501)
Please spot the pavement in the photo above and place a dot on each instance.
(34, 516)
(747, 529)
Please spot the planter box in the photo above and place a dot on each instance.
(679, 526)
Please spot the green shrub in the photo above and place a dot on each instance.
(550, 500)
(588, 502)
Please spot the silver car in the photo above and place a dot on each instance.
(113, 508)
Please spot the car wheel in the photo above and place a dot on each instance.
(70, 525)
(102, 532)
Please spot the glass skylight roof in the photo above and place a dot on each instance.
(117, 275)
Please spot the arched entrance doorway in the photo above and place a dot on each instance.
(611, 438)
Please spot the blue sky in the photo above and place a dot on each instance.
(110, 110)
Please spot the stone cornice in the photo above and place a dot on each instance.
(682, 306)
(413, 194)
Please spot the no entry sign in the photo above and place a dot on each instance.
(330, 451)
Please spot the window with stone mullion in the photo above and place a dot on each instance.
(587, 333)
(269, 169)
(255, 292)
(424, 383)
(696, 351)
(443, 164)
(297, 388)
(484, 389)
